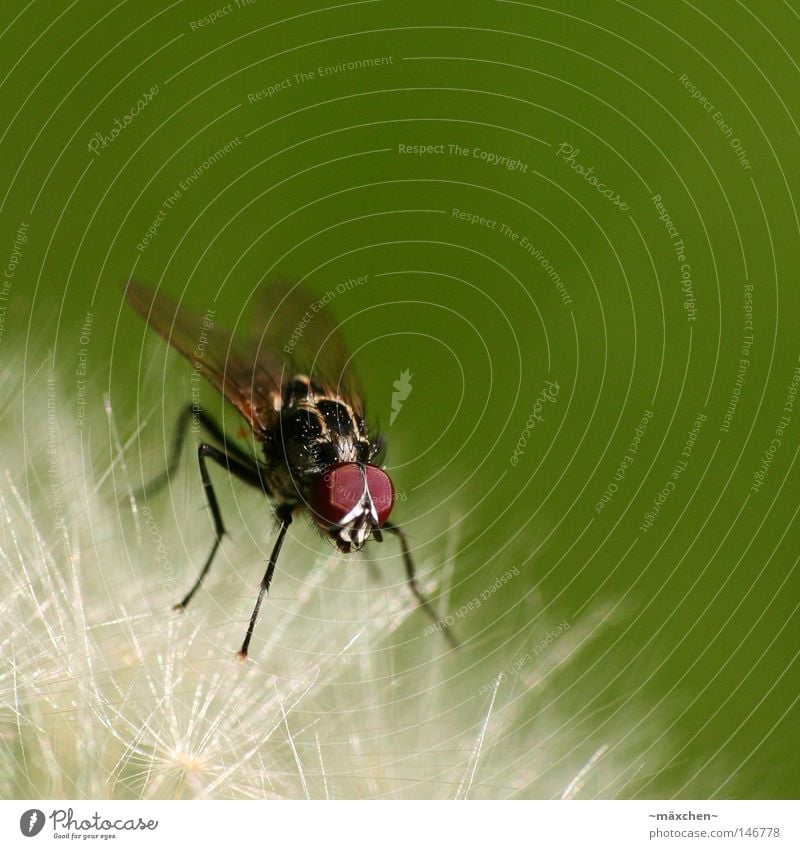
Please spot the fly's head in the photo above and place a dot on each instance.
(350, 502)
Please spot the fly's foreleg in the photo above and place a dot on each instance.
(284, 513)
(414, 586)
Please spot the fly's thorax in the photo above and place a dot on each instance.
(316, 430)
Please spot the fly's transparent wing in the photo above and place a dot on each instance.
(249, 377)
(294, 324)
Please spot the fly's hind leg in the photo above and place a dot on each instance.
(191, 413)
(247, 472)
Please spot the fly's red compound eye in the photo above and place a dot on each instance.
(349, 493)
(381, 491)
(337, 493)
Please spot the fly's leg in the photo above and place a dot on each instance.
(412, 583)
(284, 514)
(247, 473)
(191, 412)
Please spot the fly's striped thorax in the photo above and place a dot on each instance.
(317, 429)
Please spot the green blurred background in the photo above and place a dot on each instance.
(695, 104)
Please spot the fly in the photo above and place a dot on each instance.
(319, 457)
